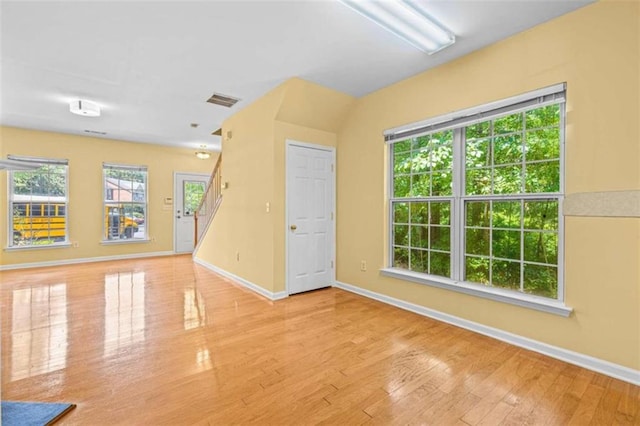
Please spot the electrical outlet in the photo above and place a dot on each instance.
(363, 265)
(76, 244)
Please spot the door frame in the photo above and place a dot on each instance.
(332, 150)
(175, 200)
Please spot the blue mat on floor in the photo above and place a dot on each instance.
(32, 413)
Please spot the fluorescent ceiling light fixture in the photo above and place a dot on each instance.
(85, 108)
(408, 20)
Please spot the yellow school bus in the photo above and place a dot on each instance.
(39, 217)
(116, 225)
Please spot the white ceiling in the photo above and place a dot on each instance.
(152, 65)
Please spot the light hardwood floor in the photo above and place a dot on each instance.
(165, 341)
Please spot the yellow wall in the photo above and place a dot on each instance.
(240, 238)
(86, 155)
(253, 163)
(596, 50)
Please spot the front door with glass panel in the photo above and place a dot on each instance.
(189, 190)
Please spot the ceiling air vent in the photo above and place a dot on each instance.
(95, 132)
(222, 100)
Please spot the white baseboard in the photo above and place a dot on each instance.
(84, 260)
(248, 284)
(601, 366)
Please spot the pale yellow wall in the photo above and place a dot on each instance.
(254, 165)
(242, 227)
(86, 155)
(596, 50)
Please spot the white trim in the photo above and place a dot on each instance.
(601, 366)
(65, 244)
(84, 260)
(245, 283)
(125, 241)
(514, 298)
(332, 150)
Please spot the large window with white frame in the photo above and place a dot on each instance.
(475, 197)
(124, 213)
(38, 203)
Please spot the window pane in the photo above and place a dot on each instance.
(420, 142)
(478, 131)
(477, 154)
(401, 235)
(506, 244)
(440, 238)
(507, 180)
(541, 215)
(505, 274)
(192, 193)
(541, 280)
(441, 264)
(477, 241)
(440, 213)
(547, 116)
(419, 260)
(420, 236)
(441, 183)
(37, 205)
(543, 144)
(478, 213)
(401, 186)
(442, 151)
(125, 207)
(507, 149)
(477, 270)
(401, 213)
(478, 181)
(420, 161)
(542, 177)
(401, 257)
(420, 212)
(508, 124)
(402, 163)
(506, 214)
(420, 185)
(541, 247)
(402, 146)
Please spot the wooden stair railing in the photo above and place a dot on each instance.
(210, 202)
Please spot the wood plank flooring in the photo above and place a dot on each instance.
(165, 341)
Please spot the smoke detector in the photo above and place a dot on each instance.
(85, 108)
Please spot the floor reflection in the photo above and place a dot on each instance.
(124, 310)
(194, 309)
(39, 331)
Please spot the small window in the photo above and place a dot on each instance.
(34, 197)
(125, 202)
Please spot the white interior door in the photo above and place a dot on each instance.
(189, 189)
(310, 224)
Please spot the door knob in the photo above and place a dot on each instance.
(293, 227)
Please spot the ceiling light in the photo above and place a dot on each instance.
(407, 20)
(85, 108)
(203, 155)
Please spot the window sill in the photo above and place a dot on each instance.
(39, 247)
(491, 293)
(130, 241)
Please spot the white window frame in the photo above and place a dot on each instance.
(37, 161)
(458, 121)
(116, 166)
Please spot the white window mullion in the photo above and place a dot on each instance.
(457, 209)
